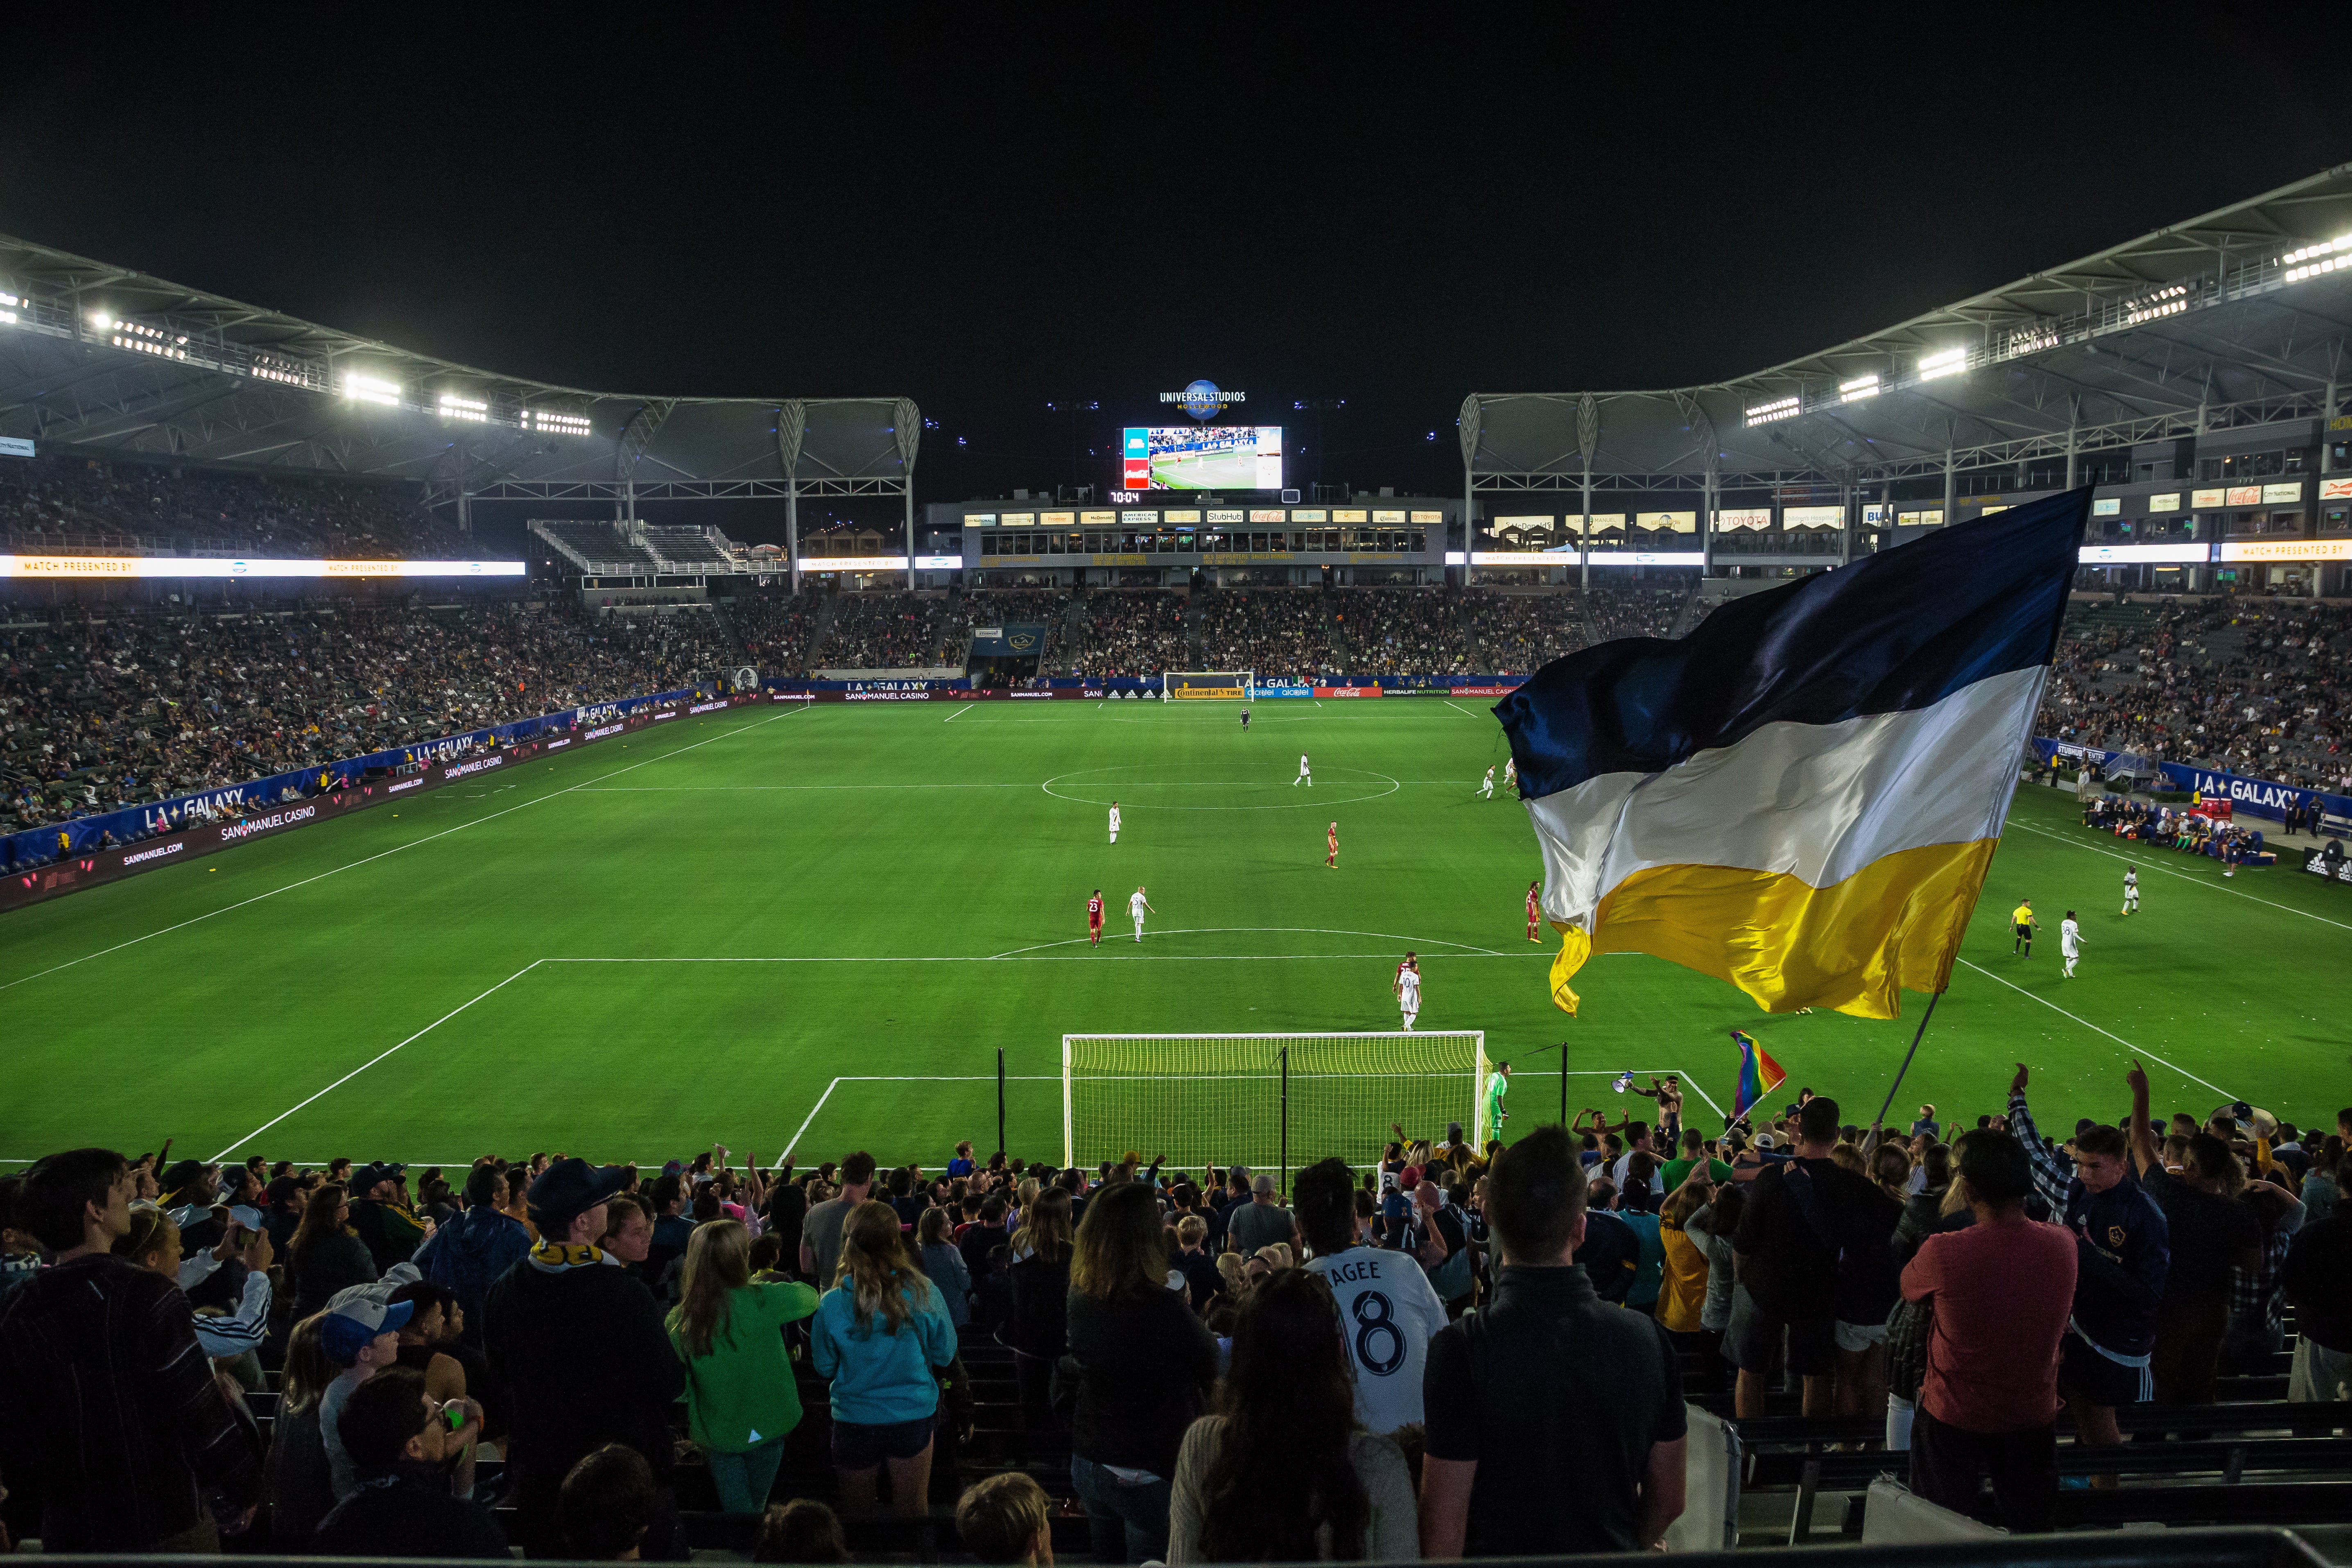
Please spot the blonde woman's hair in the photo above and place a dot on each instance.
(876, 1267)
(1846, 1157)
(1121, 1245)
(308, 1369)
(1681, 1204)
(151, 1231)
(935, 1227)
(718, 1263)
(1045, 1226)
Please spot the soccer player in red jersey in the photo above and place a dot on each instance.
(1094, 917)
(1332, 837)
(1535, 908)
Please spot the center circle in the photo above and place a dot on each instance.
(1101, 786)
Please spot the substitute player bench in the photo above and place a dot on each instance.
(1257, 1099)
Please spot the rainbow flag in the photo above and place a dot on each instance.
(1759, 1075)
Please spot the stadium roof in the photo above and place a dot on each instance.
(2239, 317)
(104, 358)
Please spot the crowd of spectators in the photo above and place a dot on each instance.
(152, 702)
(2238, 684)
(1132, 631)
(1242, 1373)
(882, 630)
(66, 502)
(1283, 634)
(774, 630)
(1518, 634)
(1634, 610)
(1017, 607)
(1402, 631)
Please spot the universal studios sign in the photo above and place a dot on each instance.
(1203, 400)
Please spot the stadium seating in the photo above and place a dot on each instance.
(146, 703)
(1286, 634)
(65, 503)
(1132, 631)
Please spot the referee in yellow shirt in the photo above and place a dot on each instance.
(2023, 918)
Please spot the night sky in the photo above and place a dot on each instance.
(988, 219)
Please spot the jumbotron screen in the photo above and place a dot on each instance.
(1204, 457)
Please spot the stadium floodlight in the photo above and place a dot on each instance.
(2312, 261)
(473, 409)
(1943, 362)
(1779, 408)
(100, 320)
(140, 338)
(2168, 301)
(550, 422)
(9, 305)
(1859, 387)
(361, 388)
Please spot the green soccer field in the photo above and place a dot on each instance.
(1233, 469)
(816, 927)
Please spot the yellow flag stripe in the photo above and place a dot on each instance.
(1855, 945)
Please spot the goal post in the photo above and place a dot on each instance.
(1267, 1102)
(1208, 684)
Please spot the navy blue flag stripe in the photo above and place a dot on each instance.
(1899, 630)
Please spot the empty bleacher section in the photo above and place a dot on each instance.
(597, 549)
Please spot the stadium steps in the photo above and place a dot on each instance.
(822, 629)
(1592, 637)
(727, 631)
(1460, 609)
(1343, 652)
(1684, 619)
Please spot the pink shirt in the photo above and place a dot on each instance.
(2003, 1292)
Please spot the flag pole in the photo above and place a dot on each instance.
(1933, 998)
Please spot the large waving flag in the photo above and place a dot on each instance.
(1759, 1075)
(1801, 797)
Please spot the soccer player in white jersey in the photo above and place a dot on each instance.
(2131, 890)
(2070, 942)
(1114, 822)
(1407, 986)
(1137, 905)
(1486, 790)
(1304, 776)
(1510, 773)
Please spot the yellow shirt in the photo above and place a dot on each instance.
(2021, 915)
(1683, 1292)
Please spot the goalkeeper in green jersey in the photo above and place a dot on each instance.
(1499, 1084)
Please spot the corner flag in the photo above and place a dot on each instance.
(1759, 1075)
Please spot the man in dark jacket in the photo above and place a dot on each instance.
(385, 1222)
(416, 1476)
(466, 1256)
(113, 1414)
(581, 1347)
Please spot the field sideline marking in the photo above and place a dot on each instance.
(959, 712)
(356, 1072)
(2118, 1039)
(2184, 876)
(395, 849)
(1267, 931)
(1459, 708)
(1074, 958)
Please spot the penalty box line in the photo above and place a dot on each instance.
(2140, 1050)
(802, 1131)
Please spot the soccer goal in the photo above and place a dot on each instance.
(1267, 1102)
(1208, 684)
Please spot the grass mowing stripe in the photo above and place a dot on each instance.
(395, 849)
(2118, 1039)
(380, 1056)
(2183, 876)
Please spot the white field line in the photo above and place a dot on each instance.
(2153, 864)
(395, 849)
(356, 1072)
(951, 719)
(1273, 930)
(1472, 712)
(2140, 1050)
(1070, 958)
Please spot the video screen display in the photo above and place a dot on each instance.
(1203, 458)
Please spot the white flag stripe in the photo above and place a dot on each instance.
(1818, 802)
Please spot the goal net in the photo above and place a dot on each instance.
(1208, 684)
(1267, 1102)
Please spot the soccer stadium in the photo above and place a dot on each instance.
(559, 997)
